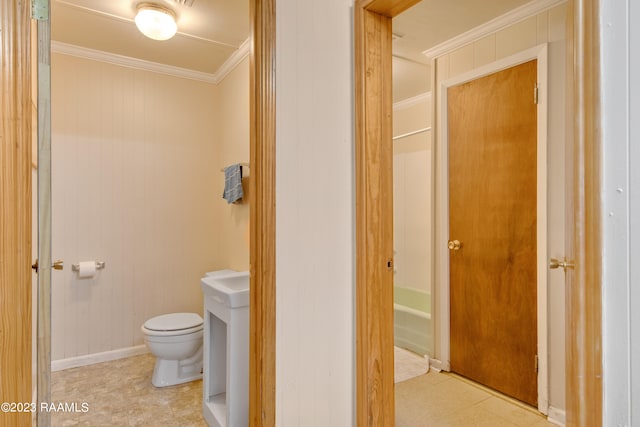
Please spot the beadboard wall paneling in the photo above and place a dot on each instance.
(315, 251)
(621, 223)
(232, 146)
(412, 196)
(134, 179)
(412, 231)
(546, 27)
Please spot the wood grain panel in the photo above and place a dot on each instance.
(492, 210)
(388, 8)
(375, 404)
(584, 290)
(15, 208)
(262, 376)
(374, 216)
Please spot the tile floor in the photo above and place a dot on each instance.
(119, 393)
(445, 400)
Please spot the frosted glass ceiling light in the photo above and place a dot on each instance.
(156, 22)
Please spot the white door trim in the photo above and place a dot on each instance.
(442, 211)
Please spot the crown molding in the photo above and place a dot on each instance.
(516, 15)
(140, 64)
(127, 61)
(233, 61)
(410, 102)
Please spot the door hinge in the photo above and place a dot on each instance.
(40, 10)
(535, 94)
(536, 363)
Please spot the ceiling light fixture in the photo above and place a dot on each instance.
(156, 22)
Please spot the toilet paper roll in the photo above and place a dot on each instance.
(87, 269)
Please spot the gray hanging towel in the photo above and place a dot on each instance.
(232, 183)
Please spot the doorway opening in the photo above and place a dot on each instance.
(147, 163)
(452, 62)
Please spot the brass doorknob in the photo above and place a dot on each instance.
(57, 265)
(454, 245)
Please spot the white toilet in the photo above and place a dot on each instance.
(176, 341)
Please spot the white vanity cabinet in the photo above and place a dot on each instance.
(226, 349)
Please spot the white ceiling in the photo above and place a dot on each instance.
(210, 31)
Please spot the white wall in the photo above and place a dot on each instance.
(133, 184)
(633, 233)
(315, 214)
(412, 194)
(634, 214)
(231, 241)
(620, 43)
(410, 78)
(546, 27)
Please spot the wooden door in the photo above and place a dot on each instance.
(492, 212)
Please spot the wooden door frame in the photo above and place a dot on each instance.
(374, 211)
(584, 300)
(539, 53)
(584, 294)
(15, 209)
(262, 305)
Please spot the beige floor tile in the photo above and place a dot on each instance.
(419, 399)
(516, 414)
(474, 416)
(120, 393)
(444, 400)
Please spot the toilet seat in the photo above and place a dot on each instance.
(173, 324)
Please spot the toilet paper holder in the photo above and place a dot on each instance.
(99, 266)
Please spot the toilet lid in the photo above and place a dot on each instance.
(173, 322)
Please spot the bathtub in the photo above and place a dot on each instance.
(412, 320)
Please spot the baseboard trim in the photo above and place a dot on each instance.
(435, 365)
(557, 416)
(90, 359)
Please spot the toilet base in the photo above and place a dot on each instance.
(172, 372)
